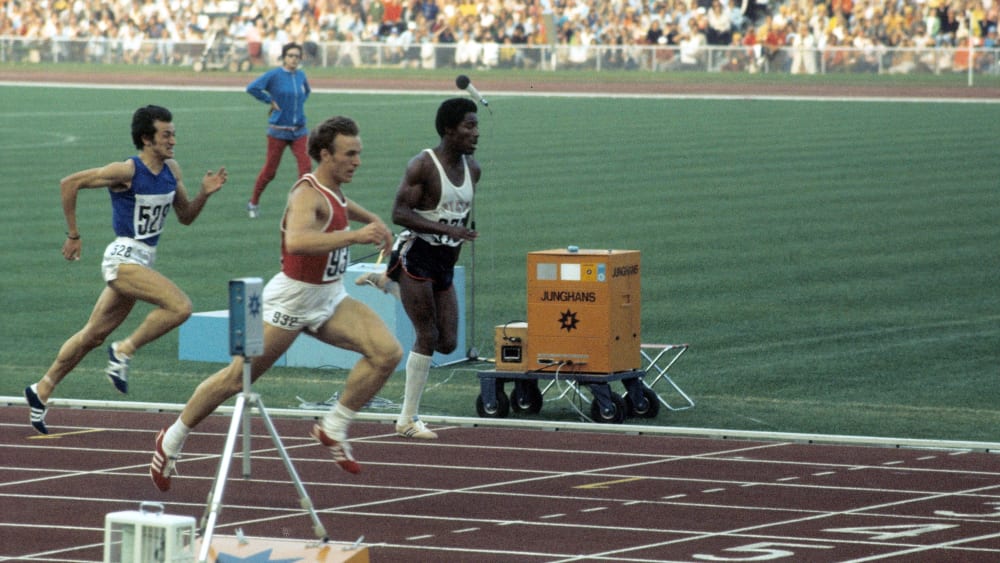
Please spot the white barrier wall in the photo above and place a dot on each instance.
(205, 336)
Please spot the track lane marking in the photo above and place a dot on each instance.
(606, 484)
(61, 434)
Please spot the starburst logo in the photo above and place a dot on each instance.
(262, 557)
(255, 305)
(568, 321)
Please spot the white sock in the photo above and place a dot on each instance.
(418, 367)
(336, 421)
(119, 355)
(173, 439)
(34, 389)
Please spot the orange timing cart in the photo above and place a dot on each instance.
(583, 329)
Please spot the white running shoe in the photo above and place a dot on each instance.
(117, 370)
(38, 409)
(415, 429)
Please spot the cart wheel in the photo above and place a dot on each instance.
(614, 414)
(199, 66)
(245, 65)
(526, 398)
(233, 66)
(500, 411)
(649, 410)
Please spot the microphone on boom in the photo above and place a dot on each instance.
(464, 83)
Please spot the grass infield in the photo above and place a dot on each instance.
(831, 263)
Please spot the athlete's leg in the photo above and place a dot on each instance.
(207, 397)
(228, 381)
(355, 327)
(173, 306)
(446, 304)
(418, 298)
(109, 312)
(418, 302)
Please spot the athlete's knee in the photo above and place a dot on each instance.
(187, 309)
(90, 340)
(429, 338)
(387, 357)
(229, 381)
(442, 341)
(446, 344)
(181, 308)
(233, 384)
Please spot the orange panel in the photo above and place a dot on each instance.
(584, 308)
(509, 342)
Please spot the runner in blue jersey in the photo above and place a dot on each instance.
(144, 189)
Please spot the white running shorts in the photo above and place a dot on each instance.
(294, 305)
(124, 250)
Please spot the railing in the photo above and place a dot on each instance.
(238, 55)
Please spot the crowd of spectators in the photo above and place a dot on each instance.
(786, 33)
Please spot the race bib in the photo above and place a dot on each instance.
(150, 214)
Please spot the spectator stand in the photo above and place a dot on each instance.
(221, 50)
(823, 38)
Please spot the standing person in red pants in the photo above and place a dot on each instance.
(285, 89)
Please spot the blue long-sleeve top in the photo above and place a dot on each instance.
(290, 90)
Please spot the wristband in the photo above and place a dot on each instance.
(77, 237)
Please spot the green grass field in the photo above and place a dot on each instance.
(832, 264)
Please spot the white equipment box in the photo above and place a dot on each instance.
(148, 535)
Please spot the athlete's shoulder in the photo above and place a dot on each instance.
(173, 166)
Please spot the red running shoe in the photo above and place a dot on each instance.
(341, 451)
(162, 466)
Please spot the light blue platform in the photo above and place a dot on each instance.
(205, 336)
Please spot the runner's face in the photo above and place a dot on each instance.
(345, 158)
(164, 140)
(466, 135)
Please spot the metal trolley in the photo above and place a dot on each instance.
(640, 399)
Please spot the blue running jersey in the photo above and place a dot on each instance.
(140, 212)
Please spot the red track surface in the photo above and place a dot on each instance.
(501, 495)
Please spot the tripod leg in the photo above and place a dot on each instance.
(246, 417)
(246, 436)
(219, 486)
(304, 499)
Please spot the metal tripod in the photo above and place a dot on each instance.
(246, 339)
(245, 401)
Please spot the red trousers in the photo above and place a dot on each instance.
(275, 148)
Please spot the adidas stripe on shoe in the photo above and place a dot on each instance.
(117, 370)
(163, 467)
(341, 451)
(38, 409)
(416, 429)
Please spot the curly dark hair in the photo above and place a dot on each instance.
(452, 112)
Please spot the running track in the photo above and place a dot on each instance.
(497, 495)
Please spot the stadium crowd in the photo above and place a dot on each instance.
(494, 32)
